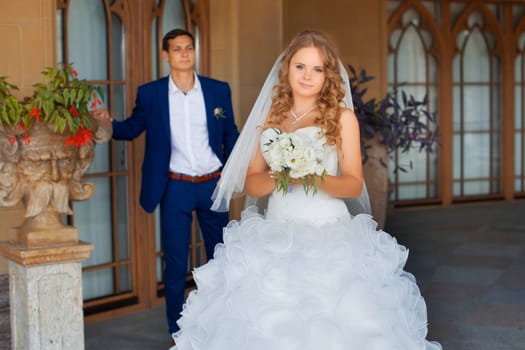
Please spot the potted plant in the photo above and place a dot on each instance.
(396, 123)
(47, 144)
(62, 103)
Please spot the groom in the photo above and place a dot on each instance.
(190, 132)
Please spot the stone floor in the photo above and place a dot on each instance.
(143, 330)
(470, 265)
(5, 329)
(469, 261)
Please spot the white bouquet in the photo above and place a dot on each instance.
(295, 156)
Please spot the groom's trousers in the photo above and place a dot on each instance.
(180, 199)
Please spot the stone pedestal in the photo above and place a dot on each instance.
(376, 179)
(45, 289)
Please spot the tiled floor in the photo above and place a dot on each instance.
(143, 330)
(470, 265)
(469, 262)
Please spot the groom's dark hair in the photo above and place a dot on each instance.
(172, 34)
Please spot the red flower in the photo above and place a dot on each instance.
(75, 73)
(27, 139)
(35, 113)
(70, 141)
(74, 111)
(82, 136)
(96, 101)
(12, 139)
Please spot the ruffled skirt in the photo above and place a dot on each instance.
(294, 285)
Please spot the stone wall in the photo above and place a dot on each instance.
(27, 29)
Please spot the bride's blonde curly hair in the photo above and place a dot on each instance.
(330, 96)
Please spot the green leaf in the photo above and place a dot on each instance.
(59, 98)
(74, 96)
(86, 121)
(61, 123)
(80, 95)
(48, 107)
(67, 95)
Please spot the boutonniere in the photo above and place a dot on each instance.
(218, 112)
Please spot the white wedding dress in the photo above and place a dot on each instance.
(307, 275)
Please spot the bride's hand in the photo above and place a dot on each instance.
(300, 180)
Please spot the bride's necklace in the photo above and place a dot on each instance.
(297, 118)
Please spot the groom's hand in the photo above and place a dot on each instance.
(101, 114)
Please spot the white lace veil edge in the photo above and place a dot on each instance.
(231, 183)
(361, 204)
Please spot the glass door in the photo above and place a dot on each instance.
(115, 44)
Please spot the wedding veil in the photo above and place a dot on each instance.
(233, 175)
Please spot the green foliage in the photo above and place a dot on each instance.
(401, 121)
(10, 107)
(62, 100)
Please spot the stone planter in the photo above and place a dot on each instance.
(44, 173)
(45, 273)
(376, 179)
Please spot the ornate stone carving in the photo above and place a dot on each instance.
(45, 173)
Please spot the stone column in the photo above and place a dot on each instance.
(376, 179)
(45, 288)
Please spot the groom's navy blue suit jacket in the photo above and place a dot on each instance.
(151, 114)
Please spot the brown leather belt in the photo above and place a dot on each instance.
(190, 178)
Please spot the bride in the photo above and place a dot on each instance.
(309, 273)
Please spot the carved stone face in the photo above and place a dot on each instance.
(45, 173)
(48, 171)
(49, 163)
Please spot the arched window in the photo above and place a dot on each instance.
(477, 123)
(463, 53)
(116, 44)
(91, 36)
(412, 63)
